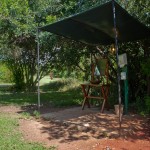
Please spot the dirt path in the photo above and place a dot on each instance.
(85, 130)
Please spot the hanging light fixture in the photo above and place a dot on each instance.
(112, 48)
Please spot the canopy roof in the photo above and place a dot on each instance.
(96, 26)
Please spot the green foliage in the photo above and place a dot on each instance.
(147, 104)
(51, 19)
(36, 114)
(146, 66)
(136, 75)
(26, 115)
(18, 24)
(143, 105)
(139, 9)
(139, 105)
(5, 74)
(113, 95)
(11, 139)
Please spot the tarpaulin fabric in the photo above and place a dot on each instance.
(96, 26)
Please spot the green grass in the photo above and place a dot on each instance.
(11, 138)
(59, 93)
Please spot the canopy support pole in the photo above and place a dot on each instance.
(38, 67)
(117, 59)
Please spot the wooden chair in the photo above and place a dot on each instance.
(99, 82)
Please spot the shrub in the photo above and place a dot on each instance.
(147, 104)
(143, 105)
(5, 74)
(36, 114)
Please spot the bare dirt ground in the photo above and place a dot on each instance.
(74, 129)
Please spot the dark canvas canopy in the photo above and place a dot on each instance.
(96, 26)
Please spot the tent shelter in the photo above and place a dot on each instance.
(96, 26)
(105, 24)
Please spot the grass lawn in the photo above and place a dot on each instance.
(57, 92)
(10, 137)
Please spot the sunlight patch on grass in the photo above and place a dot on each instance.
(47, 79)
(69, 84)
(60, 92)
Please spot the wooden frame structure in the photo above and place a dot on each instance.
(102, 85)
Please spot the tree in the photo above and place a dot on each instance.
(19, 21)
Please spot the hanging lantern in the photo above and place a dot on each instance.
(112, 48)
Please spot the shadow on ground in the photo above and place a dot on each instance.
(72, 124)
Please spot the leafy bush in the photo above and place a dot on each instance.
(147, 104)
(139, 105)
(5, 74)
(36, 114)
(113, 95)
(25, 115)
(143, 105)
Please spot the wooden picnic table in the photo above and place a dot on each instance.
(103, 89)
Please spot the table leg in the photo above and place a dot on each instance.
(105, 90)
(106, 94)
(85, 101)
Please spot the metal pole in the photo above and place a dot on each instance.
(38, 69)
(126, 89)
(118, 70)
